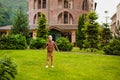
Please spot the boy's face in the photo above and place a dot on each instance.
(50, 38)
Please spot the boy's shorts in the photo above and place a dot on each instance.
(50, 54)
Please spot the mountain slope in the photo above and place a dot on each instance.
(14, 4)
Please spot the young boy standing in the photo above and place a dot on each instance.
(50, 51)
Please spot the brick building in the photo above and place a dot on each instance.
(115, 20)
(62, 15)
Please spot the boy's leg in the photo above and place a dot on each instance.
(52, 61)
(47, 60)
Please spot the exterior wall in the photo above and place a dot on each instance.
(118, 15)
(53, 9)
(113, 24)
(115, 20)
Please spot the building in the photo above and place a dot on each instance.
(62, 16)
(115, 20)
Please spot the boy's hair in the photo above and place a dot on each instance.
(49, 36)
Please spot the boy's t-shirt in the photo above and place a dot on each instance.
(50, 46)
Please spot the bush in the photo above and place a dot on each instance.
(64, 44)
(13, 42)
(113, 47)
(7, 69)
(37, 43)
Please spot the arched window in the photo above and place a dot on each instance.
(35, 19)
(65, 18)
(85, 5)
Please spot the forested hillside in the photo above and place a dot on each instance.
(14, 4)
(8, 9)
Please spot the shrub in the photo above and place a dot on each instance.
(13, 42)
(113, 48)
(64, 44)
(7, 69)
(37, 43)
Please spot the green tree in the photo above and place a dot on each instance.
(8, 69)
(92, 31)
(80, 33)
(4, 15)
(105, 34)
(20, 24)
(42, 31)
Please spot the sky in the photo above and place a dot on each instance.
(106, 5)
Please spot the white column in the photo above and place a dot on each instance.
(73, 36)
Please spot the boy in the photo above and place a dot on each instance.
(50, 51)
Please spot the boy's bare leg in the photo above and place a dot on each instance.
(47, 61)
(52, 61)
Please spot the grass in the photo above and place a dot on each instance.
(68, 65)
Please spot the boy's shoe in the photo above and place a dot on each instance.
(46, 66)
(52, 66)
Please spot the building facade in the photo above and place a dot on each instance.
(62, 15)
(115, 20)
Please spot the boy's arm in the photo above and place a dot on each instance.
(45, 45)
(56, 47)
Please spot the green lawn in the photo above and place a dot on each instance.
(68, 65)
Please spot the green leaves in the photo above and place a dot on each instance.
(8, 69)
(42, 31)
(91, 32)
(4, 15)
(64, 44)
(13, 42)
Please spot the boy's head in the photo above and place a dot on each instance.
(50, 38)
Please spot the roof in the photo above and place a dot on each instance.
(57, 27)
(32, 27)
(6, 27)
(114, 16)
(64, 27)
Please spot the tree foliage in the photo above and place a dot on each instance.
(92, 32)
(20, 24)
(105, 34)
(42, 31)
(8, 69)
(64, 44)
(4, 15)
(80, 33)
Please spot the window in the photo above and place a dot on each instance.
(39, 4)
(44, 4)
(36, 17)
(65, 18)
(65, 3)
(60, 3)
(85, 5)
(34, 6)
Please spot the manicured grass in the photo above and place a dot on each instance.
(68, 65)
